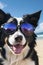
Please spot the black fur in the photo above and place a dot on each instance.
(3, 53)
(32, 19)
(35, 57)
(1, 61)
(3, 18)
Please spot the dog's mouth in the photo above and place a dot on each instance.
(17, 49)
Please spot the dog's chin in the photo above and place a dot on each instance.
(16, 49)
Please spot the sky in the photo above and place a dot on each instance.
(18, 8)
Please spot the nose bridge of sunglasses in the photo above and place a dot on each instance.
(18, 26)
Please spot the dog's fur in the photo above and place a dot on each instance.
(28, 56)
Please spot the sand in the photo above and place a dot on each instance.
(39, 49)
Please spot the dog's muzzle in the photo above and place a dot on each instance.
(17, 47)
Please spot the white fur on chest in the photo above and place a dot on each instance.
(21, 62)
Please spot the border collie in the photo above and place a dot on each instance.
(17, 39)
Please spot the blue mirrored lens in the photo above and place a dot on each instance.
(27, 26)
(10, 26)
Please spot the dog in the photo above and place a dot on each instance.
(17, 39)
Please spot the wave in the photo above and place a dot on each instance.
(40, 35)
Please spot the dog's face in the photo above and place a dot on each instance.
(18, 33)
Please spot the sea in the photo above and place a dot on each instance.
(39, 35)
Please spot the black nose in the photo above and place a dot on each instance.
(18, 38)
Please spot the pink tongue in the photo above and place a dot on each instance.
(17, 48)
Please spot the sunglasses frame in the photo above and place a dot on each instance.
(18, 26)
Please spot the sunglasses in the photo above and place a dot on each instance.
(26, 28)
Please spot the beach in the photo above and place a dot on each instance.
(39, 49)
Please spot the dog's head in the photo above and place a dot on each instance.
(18, 33)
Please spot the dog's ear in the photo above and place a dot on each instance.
(3, 17)
(32, 18)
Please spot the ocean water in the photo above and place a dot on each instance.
(40, 36)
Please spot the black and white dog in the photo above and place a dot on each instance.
(17, 39)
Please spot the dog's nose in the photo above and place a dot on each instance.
(18, 38)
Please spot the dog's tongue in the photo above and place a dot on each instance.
(17, 48)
